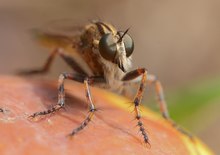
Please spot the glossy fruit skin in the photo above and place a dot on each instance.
(110, 133)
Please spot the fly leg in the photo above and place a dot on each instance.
(46, 67)
(61, 93)
(137, 99)
(61, 97)
(162, 103)
(87, 82)
(92, 109)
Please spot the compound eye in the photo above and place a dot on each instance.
(107, 47)
(129, 43)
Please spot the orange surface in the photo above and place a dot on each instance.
(112, 130)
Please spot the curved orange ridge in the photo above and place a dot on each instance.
(196, 147)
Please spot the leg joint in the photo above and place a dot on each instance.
(136, 101)
(63, 76)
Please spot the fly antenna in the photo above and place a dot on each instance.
(121, 37)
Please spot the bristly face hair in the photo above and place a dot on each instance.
(121, 61)
(115, 48)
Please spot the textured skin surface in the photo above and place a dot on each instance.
(112, 130)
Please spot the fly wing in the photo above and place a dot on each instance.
(63, 34)
(59, 33)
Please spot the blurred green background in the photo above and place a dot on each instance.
(176, 40)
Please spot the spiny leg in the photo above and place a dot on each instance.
(61, 93)
(92, 109)
(130, 76)
(160, 95)
(61, 97)
(43, 69)
(163, 105)
(46, 67)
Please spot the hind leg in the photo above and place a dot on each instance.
(163, 105)
(46, 67)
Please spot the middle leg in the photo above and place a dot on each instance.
(61, 93)
(61, 97)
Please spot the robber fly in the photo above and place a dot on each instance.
(100, 55)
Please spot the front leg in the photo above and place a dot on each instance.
(151, 79)
(137, 100)
(92, 109)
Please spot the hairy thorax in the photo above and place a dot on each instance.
(98, 65)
